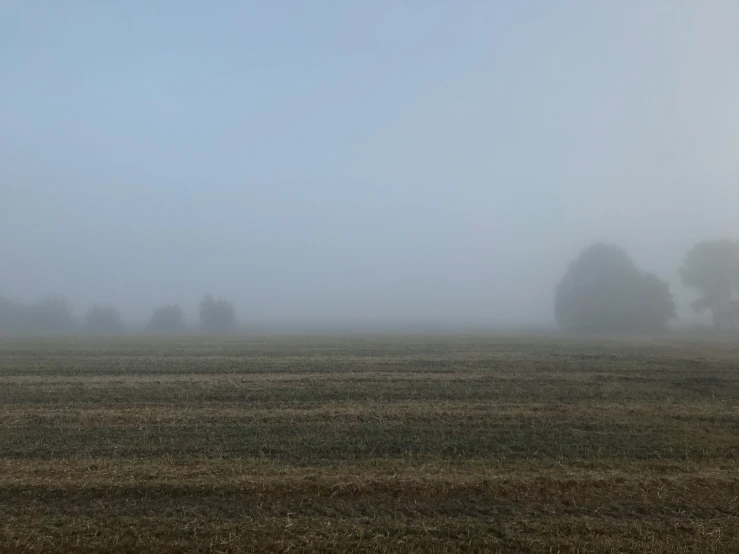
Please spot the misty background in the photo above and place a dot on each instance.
(333, 162)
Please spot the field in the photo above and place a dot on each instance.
(374, 444)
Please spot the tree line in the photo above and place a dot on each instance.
(603, 291)
(55, 315)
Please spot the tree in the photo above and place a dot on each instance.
(604, 292)
(103, 319)
(167, 319)
(12, 315)
(217, 315)
(51, 315)
(712, 269)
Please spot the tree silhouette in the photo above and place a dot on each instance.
(604, 292)
(103, 319)
(712, 269)
(167, 319)
(13, 315)
(217, 315)
(50, 315)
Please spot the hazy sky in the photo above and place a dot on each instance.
(376, 160)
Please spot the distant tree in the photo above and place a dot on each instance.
(13, 315)
(51, 315)
(167, 319)
(604, 292)
(712, 269)
(217, 315)
(103, 319)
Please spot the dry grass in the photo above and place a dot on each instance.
(460, 444)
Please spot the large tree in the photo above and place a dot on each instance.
(217, 315)
(712, 269)
(604, 292)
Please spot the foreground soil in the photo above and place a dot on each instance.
(375, 444)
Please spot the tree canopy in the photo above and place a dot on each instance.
(603, 291)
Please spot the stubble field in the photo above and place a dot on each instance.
(375, 444)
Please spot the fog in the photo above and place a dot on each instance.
(330, 162)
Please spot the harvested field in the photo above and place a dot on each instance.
(377, 444)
